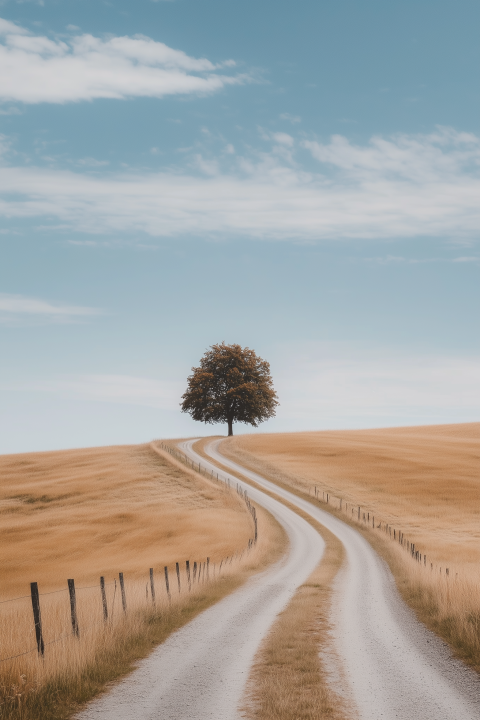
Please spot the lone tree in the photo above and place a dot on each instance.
(231, 385)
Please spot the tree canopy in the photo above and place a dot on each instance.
(231, 385)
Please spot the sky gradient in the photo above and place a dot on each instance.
(300, 178)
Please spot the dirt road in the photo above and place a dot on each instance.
(200, 672)
(395, 669)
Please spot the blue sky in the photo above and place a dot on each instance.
(301, 178)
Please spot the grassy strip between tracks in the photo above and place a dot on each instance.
(443, 605)
(94, 667)
(296, 674)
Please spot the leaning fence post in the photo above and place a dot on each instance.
(122, 589)
(37, 618)
(73, 606)
(177, 566)
(167, 585)
(104, 598)
(152, 586)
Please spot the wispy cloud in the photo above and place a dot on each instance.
(125, 389)
(36, 68)
(402, 186)
(332, 386)
(16, 309)
(399, 260)
(291, 118)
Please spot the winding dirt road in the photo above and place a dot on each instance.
(395, 669)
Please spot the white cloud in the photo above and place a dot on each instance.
(283, 139)
(415, 158)
(17, 308)
(37, 69)
(403, 186)
(9, 28)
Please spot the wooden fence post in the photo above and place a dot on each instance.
(152, 586)
(73, 607)
(359, 512)
(37, 618)
(104, 598)
(167, 585)
(194, 571)
(122, 590)
(187, 565)
(177, 566)
(208, 567)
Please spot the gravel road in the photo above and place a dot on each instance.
(201, 670)
(395, 669)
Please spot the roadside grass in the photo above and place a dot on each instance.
(422, 481)
(193, 516)
(296, 672)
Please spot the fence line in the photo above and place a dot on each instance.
(212, 475)
(393, 533)
(398, 535)
(200, 574)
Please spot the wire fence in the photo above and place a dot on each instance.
(365, 517)
(73, 617)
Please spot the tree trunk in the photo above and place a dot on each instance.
(230, 427)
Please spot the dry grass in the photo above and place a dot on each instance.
(424, 481)
(87, 513)
(294, 674)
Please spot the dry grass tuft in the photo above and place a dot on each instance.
(423, 481)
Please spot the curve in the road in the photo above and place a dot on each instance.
(200, 672)
(396, 668)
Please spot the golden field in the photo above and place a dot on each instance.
(424, 481)
(85, 513)
(101, 511)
